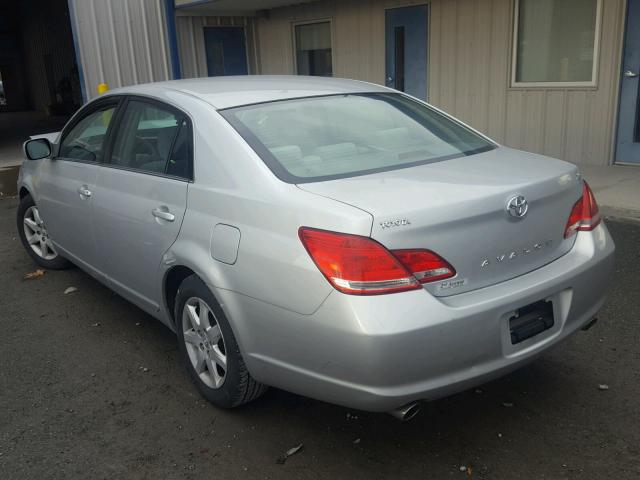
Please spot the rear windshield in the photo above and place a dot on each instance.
(336, 136)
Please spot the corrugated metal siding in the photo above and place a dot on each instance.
(190, 32)
(122, 42)
(469, 70)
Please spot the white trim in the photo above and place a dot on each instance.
(596, 56)
(295, 47)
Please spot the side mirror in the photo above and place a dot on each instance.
(37, 148)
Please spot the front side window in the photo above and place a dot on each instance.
(313, 49)
(146, 139)
(85, 141)
(336, 136)
(556, 42)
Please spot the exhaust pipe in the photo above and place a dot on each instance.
(406, 412)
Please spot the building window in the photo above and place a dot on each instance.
(313, 49)
(556, 42)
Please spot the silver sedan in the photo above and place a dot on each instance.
(329, 237)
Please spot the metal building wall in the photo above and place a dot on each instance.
(190, 32)
(121, 42)
(470, 44)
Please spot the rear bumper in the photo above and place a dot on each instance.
(378, 353)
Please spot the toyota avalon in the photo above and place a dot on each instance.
(329, 237)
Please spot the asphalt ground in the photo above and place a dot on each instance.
(91, 387)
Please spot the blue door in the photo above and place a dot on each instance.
(628, 146)
(406, 49)
(226, 51)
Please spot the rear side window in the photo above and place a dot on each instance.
(153, 139)
(179, 164)
(337, 136)
(85, 141)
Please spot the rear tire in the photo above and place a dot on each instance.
(35, 238)
(209, 349)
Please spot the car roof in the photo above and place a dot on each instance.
(233, 91)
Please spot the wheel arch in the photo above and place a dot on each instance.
(172, 280)
(24, 191)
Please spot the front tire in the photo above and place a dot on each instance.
(209, 348)
(35, 238)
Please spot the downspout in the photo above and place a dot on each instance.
(170, 13)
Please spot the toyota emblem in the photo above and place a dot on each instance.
(517, 206)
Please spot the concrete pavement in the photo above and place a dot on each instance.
(92, 387)
(616, 187)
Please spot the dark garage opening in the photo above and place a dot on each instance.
(40, 86)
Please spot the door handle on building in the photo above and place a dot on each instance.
(163, 213)
(630, 74)
(84, 192)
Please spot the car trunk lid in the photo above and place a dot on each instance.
(458, 209)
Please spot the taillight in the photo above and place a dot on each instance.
(584, 214)
(426, 266)
(361, 266)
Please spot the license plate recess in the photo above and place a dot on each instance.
(531, 320)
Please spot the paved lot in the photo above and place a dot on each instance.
(76, 402)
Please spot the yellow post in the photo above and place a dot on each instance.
(102, 87)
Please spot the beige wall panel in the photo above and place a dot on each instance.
(481, 65)
(522, 124)
(514, 120)
(446, 69)
(470, 48)
(533, 124)
(576, 126)
(498, 73)
(435, 87)
(275, 43)
(353, 22)
(554, 122)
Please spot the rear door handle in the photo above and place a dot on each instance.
(163, 213)
(84, 191)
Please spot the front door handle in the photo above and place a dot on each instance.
(630, 74)
(84, 191)
(163, 213)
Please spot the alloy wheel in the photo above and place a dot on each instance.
(36, 234)
(204, 342)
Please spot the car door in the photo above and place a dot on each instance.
(66, 181)
(141, 196)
